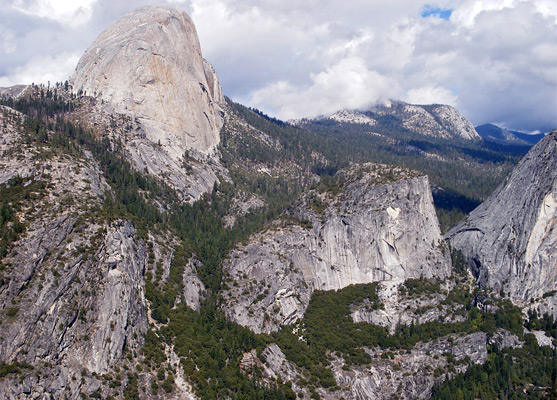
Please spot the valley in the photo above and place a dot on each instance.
(196, 248)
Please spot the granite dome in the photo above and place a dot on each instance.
(148, 65)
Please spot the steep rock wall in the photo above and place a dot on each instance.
(148, 65)
(368, 231)
(72, 301)
(510, 240)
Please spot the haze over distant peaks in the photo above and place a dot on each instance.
(148, 65)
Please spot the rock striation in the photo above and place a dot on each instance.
(72, 300)
(373, 223)
(510, 240)
(148, 65)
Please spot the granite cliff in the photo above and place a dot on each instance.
(510, 240)
(369, 223)
(148, 65)
(147, 73)
(72, 282)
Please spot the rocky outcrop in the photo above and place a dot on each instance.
(157, 97)
(399, 308)
(148, 65)
(404, 375)
(510, 240)
(12, 91)
(373, 223)
(72, 299)
(353, 117)
(410, 376)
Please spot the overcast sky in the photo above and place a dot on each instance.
(495, 60)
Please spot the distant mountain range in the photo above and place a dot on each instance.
(159, 241)
(433, 121)
(493, 133)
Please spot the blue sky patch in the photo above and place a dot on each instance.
(429, 11)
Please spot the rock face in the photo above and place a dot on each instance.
(71, 292)
(148, 65)
(72, 284)
(510, 240)
(409, 375)
(360, 229)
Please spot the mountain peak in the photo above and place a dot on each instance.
(496, 134)
(434, 120)
(148, 65)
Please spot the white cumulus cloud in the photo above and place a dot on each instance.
(496, 60)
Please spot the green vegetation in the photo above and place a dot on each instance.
(327, 326)
(14, 194)
(544, 323)
(526, 373)
(209, 346)
(14, 368)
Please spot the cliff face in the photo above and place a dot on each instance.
(148, 65)
(72, 283)
(361, 228)
(71, 290)
(162, 101)
(510, 240)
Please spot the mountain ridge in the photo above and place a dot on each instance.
(435, 120)
(496, 134)
(124, 264)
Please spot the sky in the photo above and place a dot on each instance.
(494, 60)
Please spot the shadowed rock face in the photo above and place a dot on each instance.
(510, 240)
(148, 65)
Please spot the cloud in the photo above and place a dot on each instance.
(496, 60)
(347, 84)
(431, 95)
(42, 70)
(67, 12)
